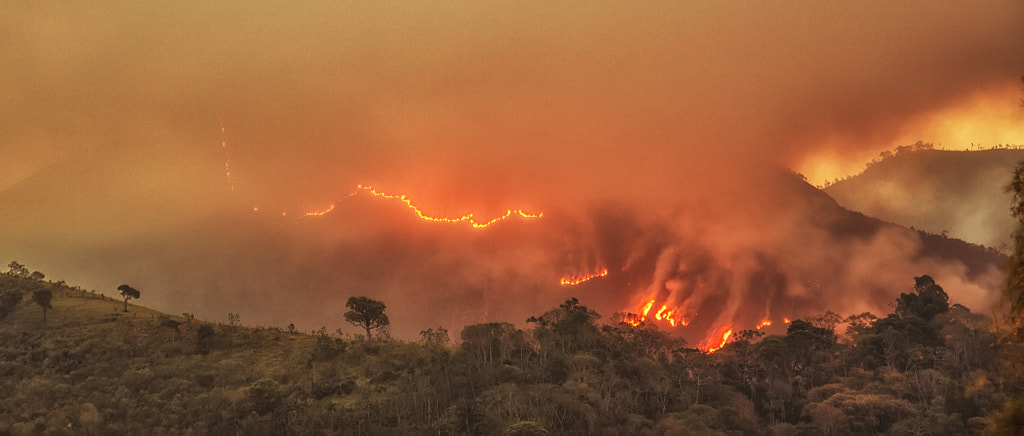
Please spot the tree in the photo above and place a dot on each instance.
(9, 299)
(438, 337)
(17, 270)
(1011, 419)
(1013, 288)
(927, 300)
(42, 297)
(265, 395)
(36, 275)
(128, 293)
(366, 313)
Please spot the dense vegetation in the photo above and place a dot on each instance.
(927, 368)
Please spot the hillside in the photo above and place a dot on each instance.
(777, 248)
(958, 192)
(93, 369)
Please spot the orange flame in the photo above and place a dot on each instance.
(465, 218)
(227, 157)
(319, 212)
(786, 320)
(764, 323)
(725, 338)
(663, 314)
(575, 280)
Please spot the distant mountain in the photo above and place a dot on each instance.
(961, 193)
(726, 255)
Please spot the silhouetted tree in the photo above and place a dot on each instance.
(1013, 288)
(128, 293)
(431, 336)
(1011, 419)
(927, 300)
(16, 269)
(42, 297)
(36, 275)
(9, 299)
(366, 313)
(204, 339)
(571, 325)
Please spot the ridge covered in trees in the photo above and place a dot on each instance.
(930, 367)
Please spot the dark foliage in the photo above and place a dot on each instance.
(929, 370)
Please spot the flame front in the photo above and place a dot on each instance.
(227, 156)
(725, 338)
(319, 212)
(465, 218)
(575, 280)
(663, 314)
(764, 323)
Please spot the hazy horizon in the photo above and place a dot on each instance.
(174, 147)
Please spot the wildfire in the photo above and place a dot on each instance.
(227, 159)
(663, 314)
(764, 323)
(575, 280)
(465, 218)
(319, 212)
(725, 338)
(786, 320)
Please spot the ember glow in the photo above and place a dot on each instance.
(764, 323)
(468, 218)
(575, 280)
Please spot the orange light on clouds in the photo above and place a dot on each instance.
(981, 121)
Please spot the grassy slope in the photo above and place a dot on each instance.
(94, 367)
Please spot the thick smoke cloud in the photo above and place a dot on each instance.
(639, 131)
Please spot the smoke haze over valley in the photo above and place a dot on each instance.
(178, 149)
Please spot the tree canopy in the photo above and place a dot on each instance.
(128, 293)
(42, 297)
(366, 313)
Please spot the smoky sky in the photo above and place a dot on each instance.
(122, 119)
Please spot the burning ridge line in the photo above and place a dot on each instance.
(468, 218)
(575, 280)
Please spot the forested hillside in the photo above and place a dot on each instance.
(929, 367)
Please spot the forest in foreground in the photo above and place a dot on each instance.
(80, 364)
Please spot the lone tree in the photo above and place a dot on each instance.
(42, 297)
(128, 293)
(366, 313)
(16, 269)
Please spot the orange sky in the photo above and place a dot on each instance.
(112, 110)
(334, 93)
